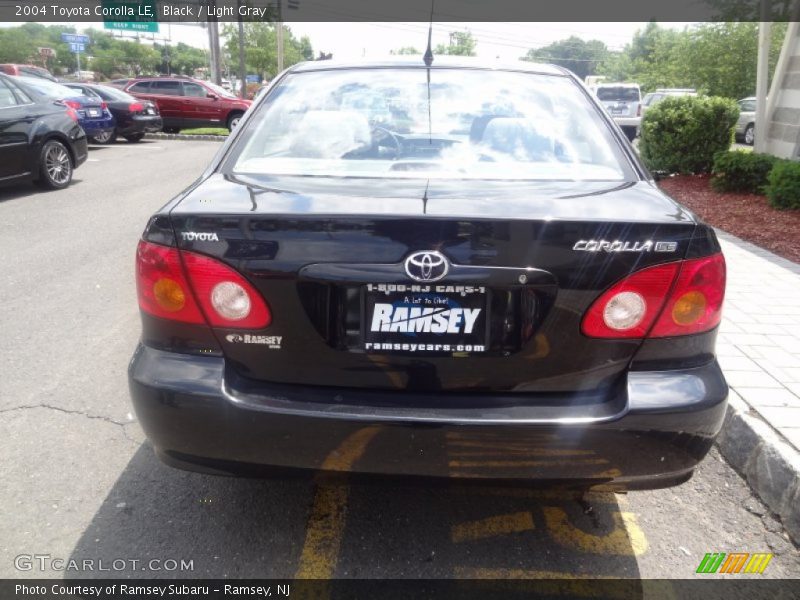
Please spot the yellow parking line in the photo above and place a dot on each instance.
(491, 527)
(625, 539)
(327, 519)
(459, 464)
(533, 452)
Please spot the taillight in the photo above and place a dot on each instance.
(678, 298)
(695, 304)
(104, 105)
(639, 111)
(72, 114)
(161, 285)
(185, 286)
(136, 107)
(73, 104)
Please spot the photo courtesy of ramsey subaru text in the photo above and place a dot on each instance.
(420, 254)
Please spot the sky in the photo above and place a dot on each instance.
(506, 41)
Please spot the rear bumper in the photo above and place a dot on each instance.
(141, 124)
(97, 126)
(199, 415)
(628, 121)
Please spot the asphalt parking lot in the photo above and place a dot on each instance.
(80, 481)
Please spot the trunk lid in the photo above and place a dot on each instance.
(525, 262)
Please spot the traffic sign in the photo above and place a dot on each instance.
(77, 48)
(141, 13)
(143, 26)
(74, 38)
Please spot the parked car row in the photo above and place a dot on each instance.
(185, 102)
(41, 139)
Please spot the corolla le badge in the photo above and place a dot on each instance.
(620, 246)
(427, 266)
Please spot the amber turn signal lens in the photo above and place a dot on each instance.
(169, 294)
(689, 308)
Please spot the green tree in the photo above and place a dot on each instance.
(579, 56)
(461, 44)
(405, 51)
(260, 41)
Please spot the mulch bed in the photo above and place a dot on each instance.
(747, 216)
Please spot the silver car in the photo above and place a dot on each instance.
(745, 126)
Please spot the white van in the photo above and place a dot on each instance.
(623, 101)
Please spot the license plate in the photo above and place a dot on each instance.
(425, 319)
(93, 112)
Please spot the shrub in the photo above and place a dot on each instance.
(783, 189)
(741, 171)
(682, 134)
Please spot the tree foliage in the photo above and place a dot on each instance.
(579, 56)
(718, 59)
(462, 43)
(261, 47)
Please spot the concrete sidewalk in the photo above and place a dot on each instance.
(759, 351)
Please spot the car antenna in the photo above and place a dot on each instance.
(428, 57)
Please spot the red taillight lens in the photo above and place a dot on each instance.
(72, 114)
(161, 285)
(639, 111)
(226, 297)
(73, 104)
(189, 287)
(136, 107)
(695, 304)
(104, 105)
(629, 308)
(677, 298)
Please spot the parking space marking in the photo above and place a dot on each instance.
(328, 512)
(625, 539)
(492, 527)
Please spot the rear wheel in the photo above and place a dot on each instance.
(105, 137)
(750, 135)
(233, 120)
(172, 130)
(55, 166)
(135, 137)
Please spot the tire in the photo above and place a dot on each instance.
(750, 135)
(134, 137)
(630, 133)
(233, 120)
(171, 130)
(105, 137)
(55, 166)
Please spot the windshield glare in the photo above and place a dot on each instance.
(50, 89)
(464, 123)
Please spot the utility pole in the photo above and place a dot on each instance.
(279, 36)
(213, 42)
(242, 69)
(762, 78)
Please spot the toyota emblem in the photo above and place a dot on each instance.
(427, 266)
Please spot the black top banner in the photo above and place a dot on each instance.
(193, 11)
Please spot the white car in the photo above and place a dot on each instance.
(623, 101)
(654, 98)
(745, 126)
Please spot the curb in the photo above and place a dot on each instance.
(766, 462)
(181, 136)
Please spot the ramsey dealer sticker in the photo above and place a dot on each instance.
(425, 318)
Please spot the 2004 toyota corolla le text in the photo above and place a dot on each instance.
(453, 257)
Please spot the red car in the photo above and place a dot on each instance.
(26, 71)
(185, 102)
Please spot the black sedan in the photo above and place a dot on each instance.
(39, 139)
(460, 271)
(134, 117)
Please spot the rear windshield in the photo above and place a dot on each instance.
(49, 89)
(112, 94)
(624, 94)
(414, 122)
